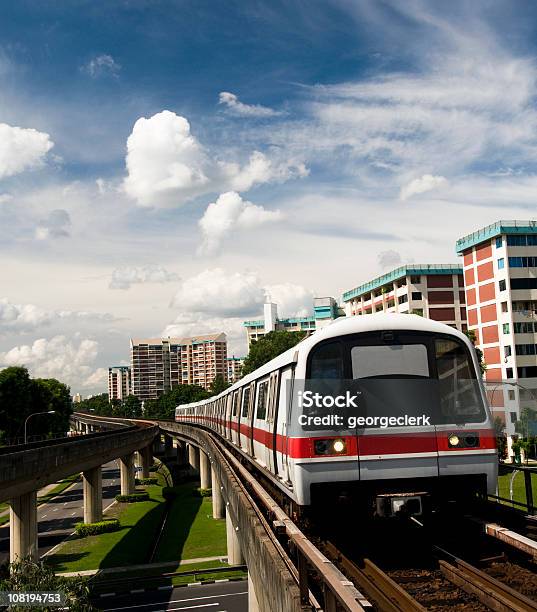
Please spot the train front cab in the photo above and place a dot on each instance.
(401, 470)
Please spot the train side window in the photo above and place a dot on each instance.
(326, 362)
(236, 400)
(245, 402)
(262, 396)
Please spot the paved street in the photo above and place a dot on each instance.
(57, 518)
(218, 597)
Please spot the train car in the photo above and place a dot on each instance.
(402, 368)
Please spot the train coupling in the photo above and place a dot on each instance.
(401, 504)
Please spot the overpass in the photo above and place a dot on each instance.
(284, 566)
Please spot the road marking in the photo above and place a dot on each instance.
(165, 587)
(137, 591)
(192, 607)
(222, 580)
(107, 595)
(194, 584)
(178, 601)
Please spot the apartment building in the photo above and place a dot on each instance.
(500, 272)
(119, 382)
(234, 368)
(325, 310)
(158, 364)
(435, 291)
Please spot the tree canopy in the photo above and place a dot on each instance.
(21, 396)
(269, 346)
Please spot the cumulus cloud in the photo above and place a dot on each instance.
(21, 149)
(219, 293)
(28, 317)
(57, 357)
(229, 213)
(55, 225)
(100, 65)
(389, 259)
(236, 107)
(166, 165)
(427, 182)
(124, 278)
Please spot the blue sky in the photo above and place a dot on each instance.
(164, 165)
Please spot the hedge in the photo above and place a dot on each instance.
(147, 481)
(199, 492)
(133, 497)
(87, 529)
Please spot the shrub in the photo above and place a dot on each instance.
(86, 529)
(147, 481)
(133, 497)
(199, 492)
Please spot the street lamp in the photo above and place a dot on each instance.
(32, 415)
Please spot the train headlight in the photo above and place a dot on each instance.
(336, 446)
(454, 440)
(339, 446)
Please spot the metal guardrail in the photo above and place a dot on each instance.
(527, 471)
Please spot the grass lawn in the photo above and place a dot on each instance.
(59, 488)
(519, 489)
(132, 544)
(190, 531)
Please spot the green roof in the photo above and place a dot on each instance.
(495, 229)
(409, 269)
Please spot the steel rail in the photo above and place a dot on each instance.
(376, 584)
(491, 592)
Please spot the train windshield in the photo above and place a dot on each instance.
(400, 373)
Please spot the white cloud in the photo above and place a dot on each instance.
(166, 165)
(389, 259)
(21, 149)
(5, 197)
(218, 293)
(123, 278)
(425, 183)
(101, 65)
(24, 318)
(55, 225)
(57, 357)
(98, 379)
(236, 107)
(230, 212)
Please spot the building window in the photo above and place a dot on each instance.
(511, 395)
(507, 351)
(524, 283)
(504, 307)
(416, 295)
(502, 285)
(509, 373)
(499, 242)
(402, 299)
(501, 263)
(525, 349)
(513, 417)
(505, 328)
(415, 279)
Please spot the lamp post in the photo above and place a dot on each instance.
(32, 415)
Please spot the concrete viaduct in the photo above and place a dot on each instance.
(274, 585)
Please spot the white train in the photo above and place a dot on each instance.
(438, 447)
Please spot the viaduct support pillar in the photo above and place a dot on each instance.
(126, 467)
(92, 485)
(234, 553)
(168, 446)
(194, 456)
(205, 471)
(218, 500)
(147, 460)
(182, 454)
(253, 605)
(23, 527)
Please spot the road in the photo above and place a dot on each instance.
(219, 597)
(57, 518)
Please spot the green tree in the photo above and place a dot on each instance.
(132, 407)
(270, 346)
(52, 395)
(473, 339)
(218, 385)
(164, 407)
(17, 400)
(98, 404)
(27, 575)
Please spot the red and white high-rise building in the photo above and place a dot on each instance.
(500, 275)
